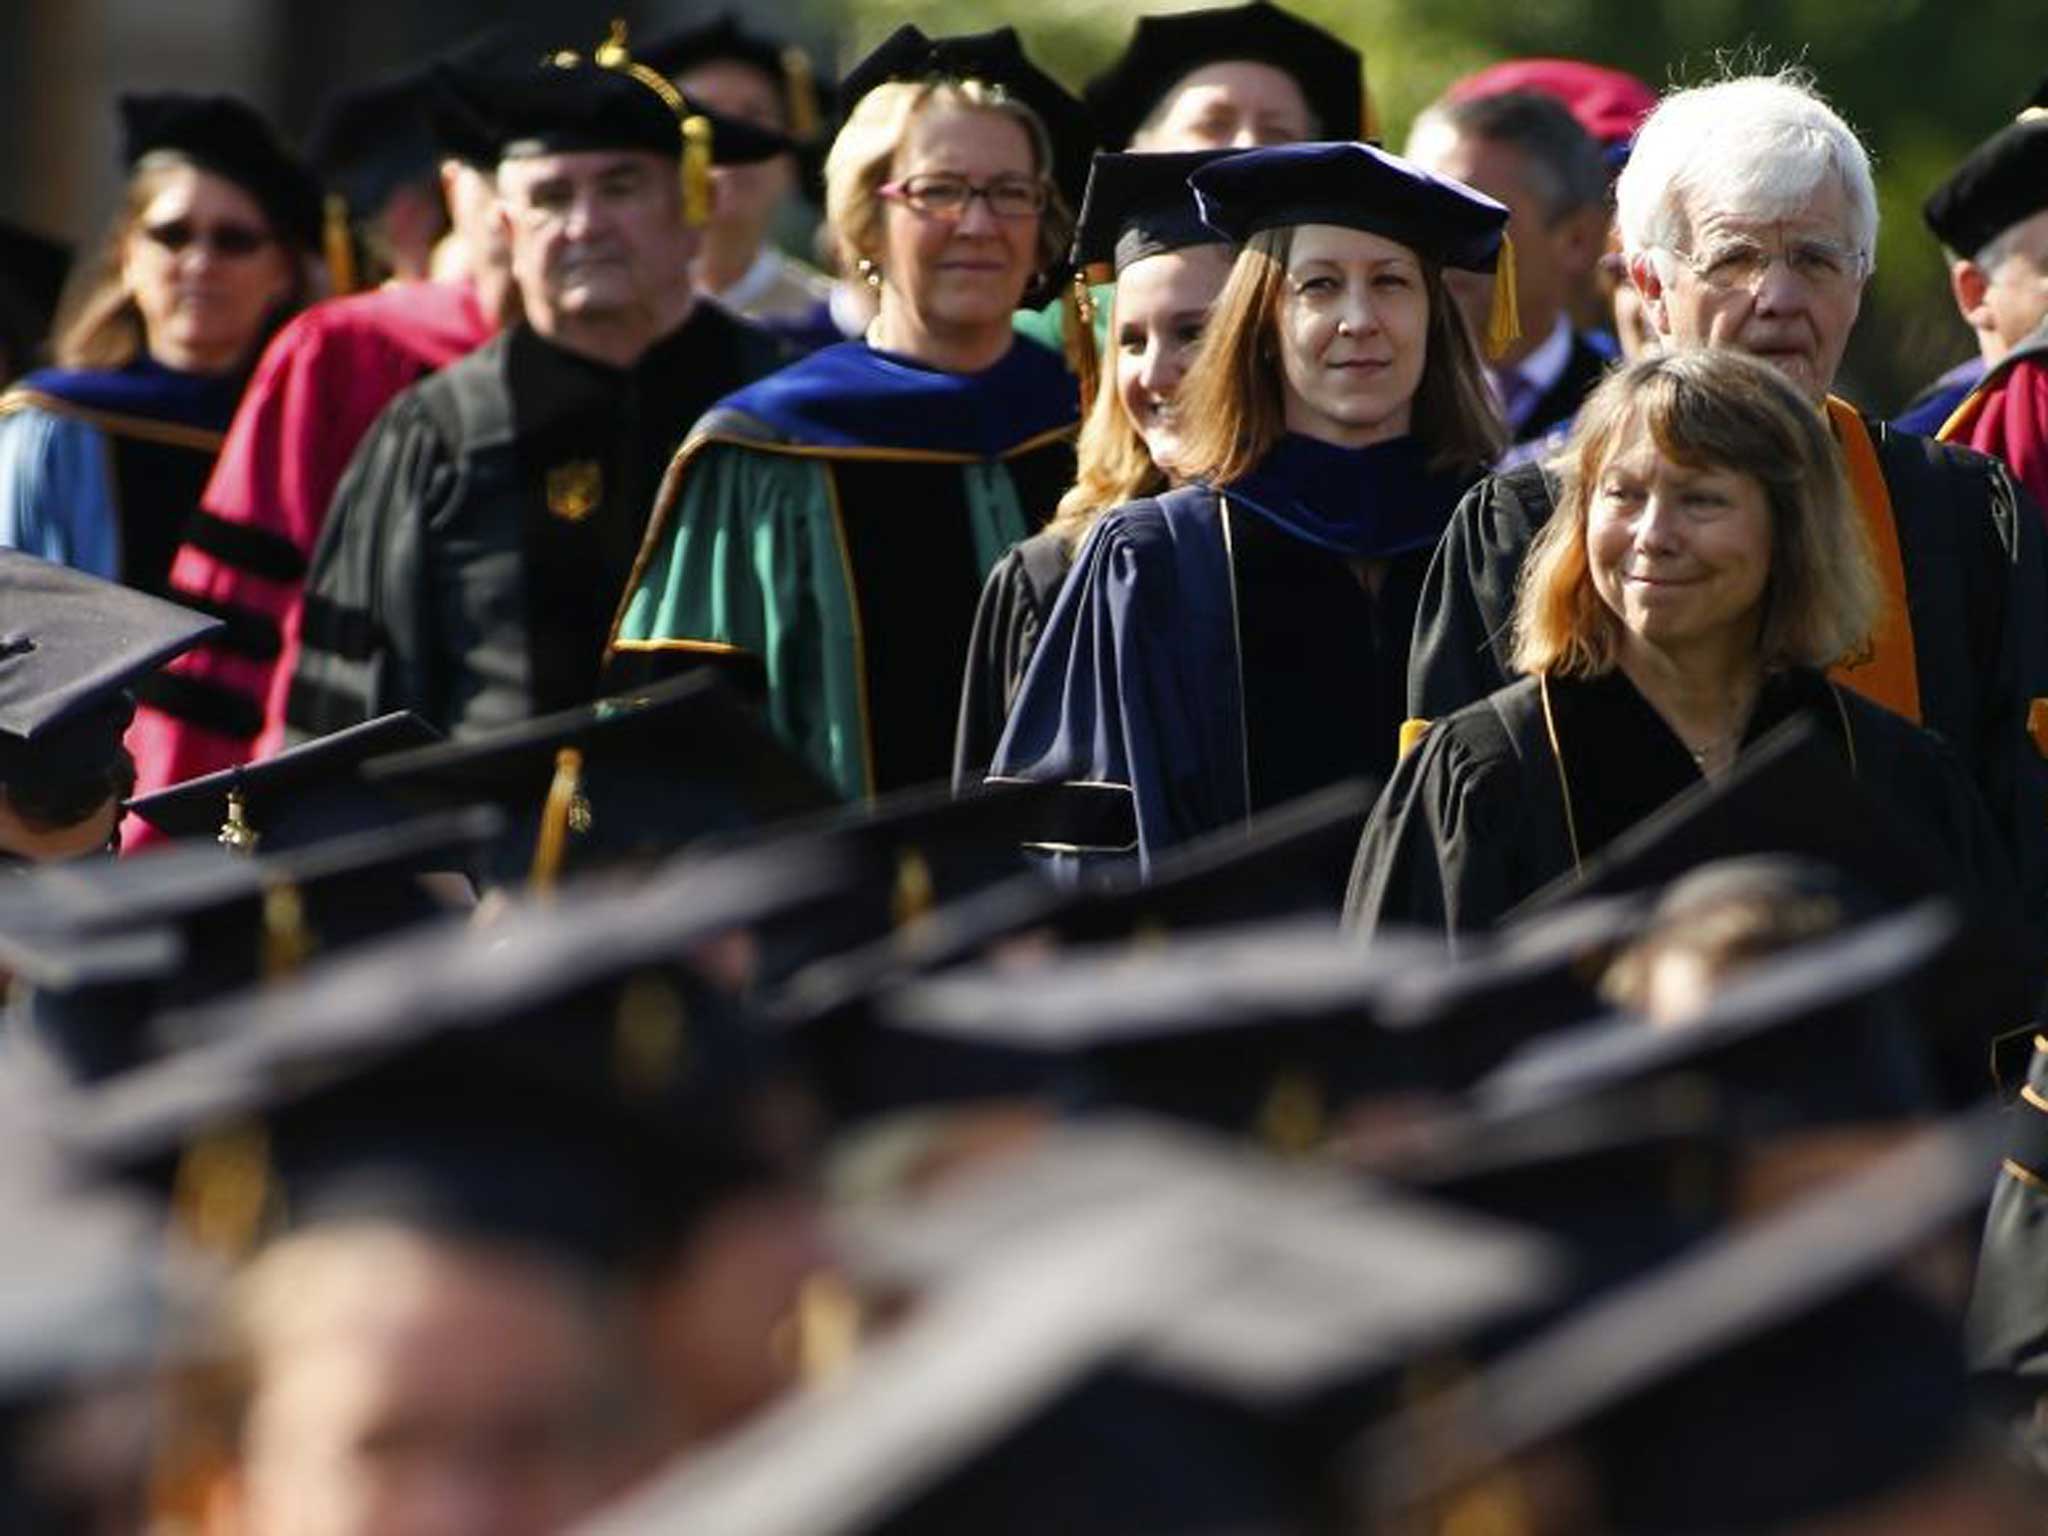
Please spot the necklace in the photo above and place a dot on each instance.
(1699, 755)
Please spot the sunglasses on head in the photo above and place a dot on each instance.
(221, 239)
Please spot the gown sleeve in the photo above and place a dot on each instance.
(56, 492)
(743, 570)
(2013, 425)
(1132, 684)
(2008, 1318)
(368, 612)
(1008, 621)
(1439, 849)
(1464, 616)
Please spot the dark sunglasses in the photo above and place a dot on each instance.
(221, 239)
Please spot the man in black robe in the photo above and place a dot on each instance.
(1734, 240)
(479, 542)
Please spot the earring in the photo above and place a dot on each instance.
(870, 273)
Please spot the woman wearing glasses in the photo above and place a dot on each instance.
(103, 458)
(825, 533)
(1705, 563)
(1240, 642)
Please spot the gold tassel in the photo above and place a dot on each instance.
(338, 246)
(222, 1191)
(558, 818)
(612, 53)
(236, 834)
(287, 938)
(916, 892)
(1077, 331)
(800, 94)
(696, 171)
(1413, 729)
(1504, 321)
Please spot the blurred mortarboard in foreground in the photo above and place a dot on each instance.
(103, 950)
(1817, 1035)
(996, 57)
(1165, 50)
(1262, 1032)
(624, 779)
(2000, 183)
(305, 792)
(786, 65)
(231, 139)
(1138, 206)
(1780, 1374)
(71, 645)
(1287, 862)
(560, 1068)
(1110, 1327)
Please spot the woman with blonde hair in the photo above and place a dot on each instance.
(1138, 217)
(824, 532)
(1705, 566)
(1242, 641)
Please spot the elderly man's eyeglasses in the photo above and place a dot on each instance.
(1744, 264)
(947, 197)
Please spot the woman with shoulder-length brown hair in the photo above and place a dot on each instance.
(1242, 641)
(1705, 566)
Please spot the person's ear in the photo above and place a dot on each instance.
(1649, 282)
(1971, 286)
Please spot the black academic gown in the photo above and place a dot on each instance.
(479, 542)
(1016, 601)
(1475, 819)
(1976, 591)
(1216, 653)
(2008, 1324)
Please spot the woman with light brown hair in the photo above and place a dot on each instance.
(1242, 641)
(1705, 566)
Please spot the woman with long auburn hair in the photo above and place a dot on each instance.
(1705, 564)
(1242, 641)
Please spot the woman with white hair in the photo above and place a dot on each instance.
(826, 532)
(1748, 222)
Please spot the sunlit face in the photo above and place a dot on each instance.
(438, 1391)
(746, 196)
(1162, 303)
(968, 273)
(1796, 315)
(1354, 332)
(1680, 553)
(205, 269)
(594, 233)
(1233, 104)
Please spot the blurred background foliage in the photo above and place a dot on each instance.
(1921, 80)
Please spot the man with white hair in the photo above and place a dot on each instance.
(1749, 220)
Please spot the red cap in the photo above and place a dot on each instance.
(1609, 104)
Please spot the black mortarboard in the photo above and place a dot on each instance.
(1138, 206)
(558, 1072)
(71, 645)
(1110, 1329)
(105, 949)
(1819, 1034)
(371, 139)
(1165, 50)
(32, 272)
(786, 65)
(1257, 1032)
(1287, 862)
(305, 792)
(644, 774)
(229, 138)
(2001, 182)
(1354, 186)
(998, 58)
(1775, 1376)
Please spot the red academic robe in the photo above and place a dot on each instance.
(2006, 415)
(322, 382)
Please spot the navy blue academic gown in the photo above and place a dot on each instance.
(1217, 652)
